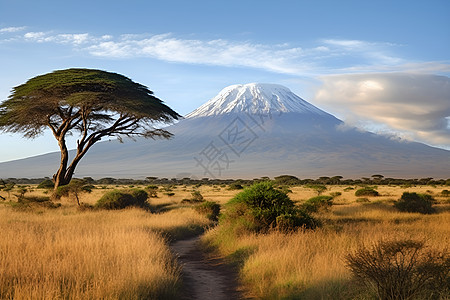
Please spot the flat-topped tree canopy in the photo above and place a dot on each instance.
(101, 94)
(93, 103)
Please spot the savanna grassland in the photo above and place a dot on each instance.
(64, 252)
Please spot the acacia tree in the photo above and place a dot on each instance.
(91, 103)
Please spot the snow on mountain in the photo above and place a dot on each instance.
(255, 98)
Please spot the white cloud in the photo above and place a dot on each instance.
(11, 29)
(327, 56)
(414, 105)
(277, 58)
(74, 39)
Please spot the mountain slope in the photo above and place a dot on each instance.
(249, 131)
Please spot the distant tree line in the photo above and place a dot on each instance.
(287, 180)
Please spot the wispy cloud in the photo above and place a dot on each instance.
(12, 29)
(413, 105)
(76, 40)
(326, 56)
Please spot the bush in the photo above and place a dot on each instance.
(402, 270)
(140, 197)
(210, 209)
(152, 191)
(46, 184)
(413, 202)
(196, 196)
(75, 188)
(445, 193)
(317, 203)
(366, 192)
(335, 194)
(116, 199)
(235, 186)
(258, 207)
(319, 188)
(291, 221)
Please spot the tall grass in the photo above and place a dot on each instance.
(90, 255)
(311, 264)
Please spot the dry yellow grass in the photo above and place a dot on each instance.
(67, 254)
(311, 264)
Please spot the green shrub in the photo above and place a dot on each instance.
(210, 209)
(291, 221)
(319, 188)
(402, 270)
(196, 196)
(413, 202)
(317, 203)
(367, 191)
(258, 207)
(285, 189)
(335, 194)
(445, 193)
(117, 199)
(75, 188)
(46, 184)
(140, 197)
(37, 199)
(235, 186)
(152, 191)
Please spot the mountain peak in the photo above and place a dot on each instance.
(255, 98)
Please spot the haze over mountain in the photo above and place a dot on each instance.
(250, 131)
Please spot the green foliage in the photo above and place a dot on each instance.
(74, 189)
(46, 184)
(196, 196)
(119, 199)
(413, 202)
(152, 191)
(335, 194)
(445, 193)
(297, 219)
(258, 207)
(402, 270)
(285, 189)
(317, 203)
(286, 180)
(235, 186)
(210, 209)
(366, 191)
(30, 104)
(319, 188)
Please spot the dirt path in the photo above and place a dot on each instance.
(204, 277)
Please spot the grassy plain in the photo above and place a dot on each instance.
(72, 254)
(65, 253)
(311, 264)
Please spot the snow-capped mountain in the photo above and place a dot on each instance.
(249, 131)
(255, 98)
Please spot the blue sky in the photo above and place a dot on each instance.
(379, 65)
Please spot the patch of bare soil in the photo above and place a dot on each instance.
(204, 276)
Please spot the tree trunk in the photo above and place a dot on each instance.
(60, 177)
